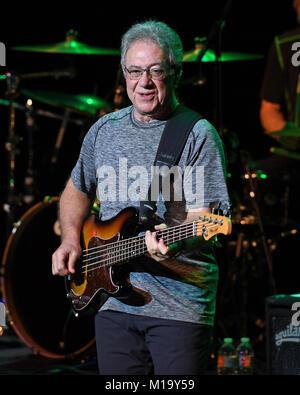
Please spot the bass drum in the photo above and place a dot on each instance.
(36, 300)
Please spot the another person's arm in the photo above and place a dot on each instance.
(271, 116)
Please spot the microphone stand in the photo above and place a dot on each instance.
(216, 31)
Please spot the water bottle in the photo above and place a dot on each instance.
(245, 357)
(227, 358)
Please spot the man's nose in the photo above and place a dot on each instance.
(146, 78)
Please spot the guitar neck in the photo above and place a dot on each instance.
(136, 246)
(121, 251)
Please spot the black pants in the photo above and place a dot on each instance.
(137, 345)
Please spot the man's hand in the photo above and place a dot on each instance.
(74, 206)
(65, 258)
(156, 248)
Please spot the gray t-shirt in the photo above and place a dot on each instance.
(116, 164)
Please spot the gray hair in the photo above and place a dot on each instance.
(158, 32)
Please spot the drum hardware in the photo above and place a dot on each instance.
(29, 181)
(60, 135)
(262, 231)
(284, 152)
(41, 112)
(80, 103)
(42, 74)
(34, 299)
(286, 132)
(202, 53)
(11, 145)
(118, 93)
(210, 56)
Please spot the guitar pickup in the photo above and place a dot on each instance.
(84, 299)
(78, 299)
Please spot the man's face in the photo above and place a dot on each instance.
(150, 97)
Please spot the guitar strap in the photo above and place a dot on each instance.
(173, 139)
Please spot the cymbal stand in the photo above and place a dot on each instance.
(217, 31)
(29, 182)
(11, 147)
(262, 232)
(60, 136)
(118, 92)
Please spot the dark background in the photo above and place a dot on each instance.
(250, 27)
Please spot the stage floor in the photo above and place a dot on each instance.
(18, 359)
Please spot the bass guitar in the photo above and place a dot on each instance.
(108, 245)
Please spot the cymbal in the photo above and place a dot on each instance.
(209, 56)
(287, 132)
(84, 103)
(70, 46)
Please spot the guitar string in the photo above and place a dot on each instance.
(115, 258)
(111, 260)
(128, 246)
(130, 249)
(163, 230)
(197, 223)
(170, 233)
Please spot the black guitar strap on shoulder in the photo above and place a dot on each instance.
(173, 139)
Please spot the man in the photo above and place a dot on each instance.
(279, 89)
(280, 110)
(170, 331)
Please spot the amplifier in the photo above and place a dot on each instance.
(283, 334)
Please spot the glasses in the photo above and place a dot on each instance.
(156, 73)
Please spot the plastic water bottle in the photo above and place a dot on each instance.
(245, 357)
(227, 358)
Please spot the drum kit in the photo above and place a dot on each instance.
(35, 300)
(39, 313)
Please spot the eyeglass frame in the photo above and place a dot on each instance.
(147, 69)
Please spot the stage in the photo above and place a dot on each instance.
(61, 74)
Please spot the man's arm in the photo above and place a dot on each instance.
(271, 116)
(74, 207)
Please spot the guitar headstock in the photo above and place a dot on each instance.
(209, 225)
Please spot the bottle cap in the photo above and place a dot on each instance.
(245, 340)
(228, 340)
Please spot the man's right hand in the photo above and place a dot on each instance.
(65, 258)
(74, 207)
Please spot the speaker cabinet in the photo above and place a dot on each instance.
(283, 334)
